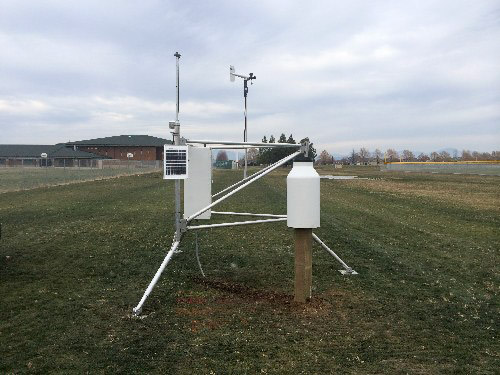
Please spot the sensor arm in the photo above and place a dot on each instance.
(240, 76)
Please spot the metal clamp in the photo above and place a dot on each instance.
(304, 147)
(183, 225)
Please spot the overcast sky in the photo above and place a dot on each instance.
(423, 75)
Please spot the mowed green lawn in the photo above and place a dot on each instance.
(13, 179)
(75, 259)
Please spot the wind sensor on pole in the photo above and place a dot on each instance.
(250, 77)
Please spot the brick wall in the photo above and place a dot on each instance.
(117, 152)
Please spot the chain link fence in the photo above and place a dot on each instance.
(22, 174)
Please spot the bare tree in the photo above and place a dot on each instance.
(252, 155)
(435, 156)
(445, 156)
(378, 155)
(486, 156)
(354, 157)
(407, 155)
(391, 155)
(364, 154)
(221, 156)
(423, 157)
(325, 158)
(466, 155)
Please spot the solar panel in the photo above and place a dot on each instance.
(175, 162)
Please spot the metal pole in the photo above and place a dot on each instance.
(245, 91)
(198, 256)
(246, 214)
(348, 269)
(235, 223)
(245, 179)
(282, 161)
(177, 57)
(177, 137)
(137, 310)
(267, 145)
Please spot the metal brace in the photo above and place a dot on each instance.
(183, 225)
(304, 148)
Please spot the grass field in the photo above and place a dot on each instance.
(12, 179)
(75, 259)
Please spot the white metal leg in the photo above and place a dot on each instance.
(347, 270)
(137, 310)
(198, 256)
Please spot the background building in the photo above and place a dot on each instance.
(57, 155)
(143, 147)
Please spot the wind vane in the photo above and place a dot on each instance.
(250, 78)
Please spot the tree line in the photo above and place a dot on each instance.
(365, 156)
(272, 155)
(266, 156)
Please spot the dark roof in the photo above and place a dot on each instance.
(124, 140)
(52, 151)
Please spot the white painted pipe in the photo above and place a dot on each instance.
(323, 245)
(235, 147)
(137, 310)
(188, 141)
(235, 223)
(282, 161)
(245, 179)
(246, 214)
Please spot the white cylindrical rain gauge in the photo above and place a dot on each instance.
(303, 196)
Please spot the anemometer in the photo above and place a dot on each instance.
(250, 77)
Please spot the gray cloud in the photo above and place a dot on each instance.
(420, 75)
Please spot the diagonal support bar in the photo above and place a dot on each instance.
(348, 270)
(137, 310)
(246, 214)
(244, 180)
(235, 223)
(281, 162)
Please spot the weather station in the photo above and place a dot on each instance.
(190, 160)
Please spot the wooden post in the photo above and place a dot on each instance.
(303, 264)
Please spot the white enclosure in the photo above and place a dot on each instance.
(303, 196)
(198, 186)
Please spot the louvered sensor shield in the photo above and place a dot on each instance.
(175, 165)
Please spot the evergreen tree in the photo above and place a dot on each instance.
(354, 157)
(272, 155)
(288, 151)
(263, 153)
(280, 152)
(312, 152)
